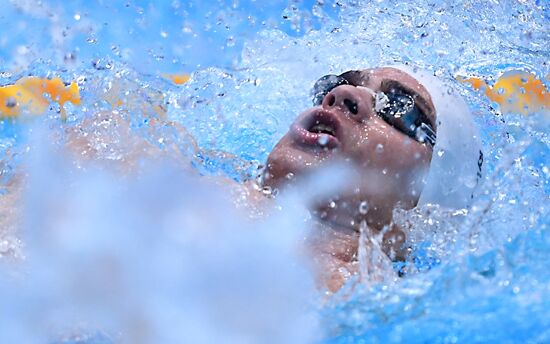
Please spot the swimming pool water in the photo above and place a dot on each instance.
(116, 238)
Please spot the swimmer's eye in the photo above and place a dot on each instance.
(324, 85)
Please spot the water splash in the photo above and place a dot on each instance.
(454, 288)
(374, 265)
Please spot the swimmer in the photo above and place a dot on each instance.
(405, 137)
(406, 145)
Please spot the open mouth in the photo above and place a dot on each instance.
(318, 129)
(321, 128)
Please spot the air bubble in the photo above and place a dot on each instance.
(440, 153)
(379, 148)
(363, 207)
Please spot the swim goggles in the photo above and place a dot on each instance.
(395, 106)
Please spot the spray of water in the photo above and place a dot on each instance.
(113, 236)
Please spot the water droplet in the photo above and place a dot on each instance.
(230, 42)
(289, 175)
(69, 57)
(22, 50)
(269, 191)
(187, 29)
(91, 40)
(163, 34)
(323, 139)
(100, 64)
(470, 182)
(77, 16)
(440, 152)
(4, 246)
(384, 171)
(379, 148)
(332, 204)
(80, 80)
(363, 207)
(501, 90)
(11, 102)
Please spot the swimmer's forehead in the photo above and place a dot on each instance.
(385, 78)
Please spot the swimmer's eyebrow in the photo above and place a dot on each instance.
(420, 100)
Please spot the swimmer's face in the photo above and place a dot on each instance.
(387, 160)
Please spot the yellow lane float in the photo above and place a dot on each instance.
(34, 95)
(178, 79)
(514, 91)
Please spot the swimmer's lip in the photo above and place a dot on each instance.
(301, 129)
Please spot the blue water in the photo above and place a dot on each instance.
(117, 243)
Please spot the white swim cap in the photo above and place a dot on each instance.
(457, 159)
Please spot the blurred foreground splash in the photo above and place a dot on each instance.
(108, 236)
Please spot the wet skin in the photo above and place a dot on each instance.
(386, 164)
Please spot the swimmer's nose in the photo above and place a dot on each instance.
(349, 100)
